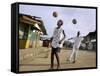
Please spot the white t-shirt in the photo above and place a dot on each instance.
(57, 37)
(77, 41)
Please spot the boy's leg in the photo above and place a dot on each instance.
(75, 54)
(72, 54)
(74, 57)
(52, 58)
(58, 61)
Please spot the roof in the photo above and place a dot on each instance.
(92, 33)
(31, 21)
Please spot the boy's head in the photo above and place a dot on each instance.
(60, 23)
(78, 33)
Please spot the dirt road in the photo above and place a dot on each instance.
(39, 59)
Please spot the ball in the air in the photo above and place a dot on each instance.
(74, 21)
(55, 14)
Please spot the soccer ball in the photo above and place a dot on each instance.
(74, 21)
(55, 14)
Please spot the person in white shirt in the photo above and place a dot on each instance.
(76, 45)
(56, 42)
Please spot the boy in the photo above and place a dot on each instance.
(56, 42)
(76, 45)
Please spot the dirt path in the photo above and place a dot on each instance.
(31, 60)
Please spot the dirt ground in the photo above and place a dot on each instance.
(34, 59)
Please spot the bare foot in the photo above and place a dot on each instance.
(58, 67)
(51, 68)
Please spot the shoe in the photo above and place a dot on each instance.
(67, 60)
(58, 67)
(50, 68)
(73, 61)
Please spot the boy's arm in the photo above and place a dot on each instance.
(52, 36)
(63, 37)
(70, 38)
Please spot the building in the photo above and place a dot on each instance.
(90, 41)
(30, 28)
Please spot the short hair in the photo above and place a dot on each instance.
(78, 32)
(61, 22)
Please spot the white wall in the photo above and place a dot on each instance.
(5, 52)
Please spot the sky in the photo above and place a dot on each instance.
(86, 18)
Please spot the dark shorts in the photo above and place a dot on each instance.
(56, 49)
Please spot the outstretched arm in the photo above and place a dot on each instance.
(70, 38)
(63, 37)
(74, 37)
